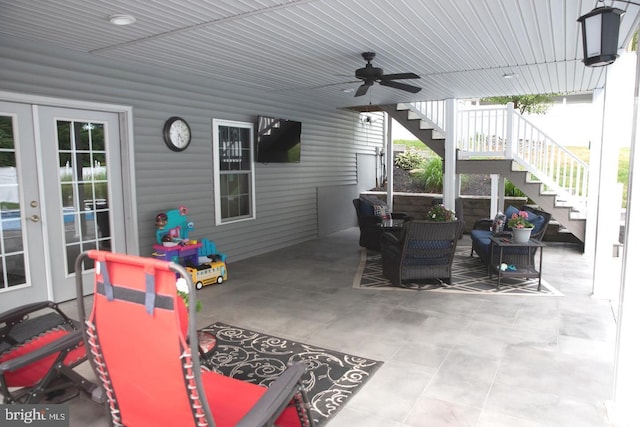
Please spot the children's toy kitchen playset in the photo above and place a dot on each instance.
(200, 258)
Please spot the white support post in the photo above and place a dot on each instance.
(494, 194)
(623, 410)
(388, 138)
(616, 125)
(597, 103)
(450, 156)
(501, 203)
(510, 139)
(497, 194)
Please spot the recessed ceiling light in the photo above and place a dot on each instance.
(348, 90)
(121, 19)
(509, 75)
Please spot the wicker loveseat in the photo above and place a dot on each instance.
(481, 233)
(424, 251)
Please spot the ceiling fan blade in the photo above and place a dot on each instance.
(362, 89)
(400, 76)
(401, 86)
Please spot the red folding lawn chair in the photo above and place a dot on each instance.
(39, 348)
(145, 352)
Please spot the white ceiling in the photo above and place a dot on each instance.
(311, 48)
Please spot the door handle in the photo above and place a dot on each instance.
(34, 218)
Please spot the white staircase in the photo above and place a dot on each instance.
(498, 140)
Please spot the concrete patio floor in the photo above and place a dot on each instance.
(449, 359)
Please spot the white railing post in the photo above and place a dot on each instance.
(510, 139)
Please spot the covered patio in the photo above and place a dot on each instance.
(448, 359)
(293, 252)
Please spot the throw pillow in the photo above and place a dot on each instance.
(537, 221)
(497, 226)
(366, 207)
(378, 207)
(382, 211)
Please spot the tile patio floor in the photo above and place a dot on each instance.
(449, 360)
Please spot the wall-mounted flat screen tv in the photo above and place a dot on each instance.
(278, 140)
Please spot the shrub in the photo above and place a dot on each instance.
(429, 174)
(511, 190)
(408, 160)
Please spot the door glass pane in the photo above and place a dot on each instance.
(12, 263)
(83, 187)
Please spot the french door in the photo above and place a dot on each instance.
(60, 194)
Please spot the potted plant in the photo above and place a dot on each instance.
(520, 226)
(439, 213)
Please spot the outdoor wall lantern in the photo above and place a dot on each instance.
(600, 29)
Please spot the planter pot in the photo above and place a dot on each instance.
(521, 235)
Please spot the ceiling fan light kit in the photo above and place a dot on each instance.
(370, 74)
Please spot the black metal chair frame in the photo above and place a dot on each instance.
(27, 324)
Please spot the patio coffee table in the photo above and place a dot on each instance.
(524, 263)
(393, 226)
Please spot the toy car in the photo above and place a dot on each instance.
(208, 273)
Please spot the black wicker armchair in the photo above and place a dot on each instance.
(424, 251)
(370, 229)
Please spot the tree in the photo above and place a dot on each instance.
(532, 104)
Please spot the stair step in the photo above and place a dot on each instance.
(511, 169)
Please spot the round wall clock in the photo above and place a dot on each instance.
(177, 133)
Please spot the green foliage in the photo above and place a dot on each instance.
(97, 189)
(408, 160)
(429, 174)
(623, 172)
(511, 190)
(531, 104)
(7, 154)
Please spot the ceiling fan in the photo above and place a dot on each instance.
(370, 74)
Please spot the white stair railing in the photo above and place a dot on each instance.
(502, 132)
(432, 112)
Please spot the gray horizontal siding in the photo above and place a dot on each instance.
(286, 210)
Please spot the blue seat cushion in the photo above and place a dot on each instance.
(481, 237)
(483, 243)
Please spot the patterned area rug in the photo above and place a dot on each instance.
(469, 276)
(331, 378)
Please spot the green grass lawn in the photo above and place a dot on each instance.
(583, 153)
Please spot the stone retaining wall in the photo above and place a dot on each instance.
(474, 208)
(416, 205)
